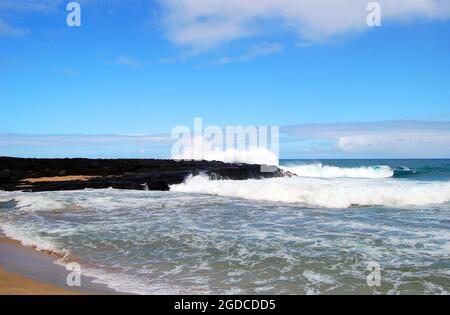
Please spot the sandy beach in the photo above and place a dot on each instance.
(25, 271)
(14, 284)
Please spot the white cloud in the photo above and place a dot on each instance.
(402, 142)
(203, 24)
(8, 30)
(384, 138)
(255, 51)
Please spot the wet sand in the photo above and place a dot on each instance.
(14, 284)
(30, 272)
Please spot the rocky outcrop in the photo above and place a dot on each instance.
(139, 174)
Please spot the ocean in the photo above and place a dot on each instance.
(316, 233)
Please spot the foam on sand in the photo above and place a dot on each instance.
(30, 238)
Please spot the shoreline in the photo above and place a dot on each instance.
(27, 271)
(15, 284)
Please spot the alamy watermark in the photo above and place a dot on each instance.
(374, 277)
(249, 144)
(374, 17)
(73, 279)
(74, 16)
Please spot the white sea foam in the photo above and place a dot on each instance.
(264, 156)
(253, 155)
(29, 238)
(33, 202)
(122, 282)
(327, 171)
(315, 280)
(329, 193)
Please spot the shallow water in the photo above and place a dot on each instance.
(275, 236)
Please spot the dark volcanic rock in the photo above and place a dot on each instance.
(118, 173)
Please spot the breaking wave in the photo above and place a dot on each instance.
(254, 155)
(31, 239)
(316, 192)
(327, 171)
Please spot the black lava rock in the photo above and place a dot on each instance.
(138, 174)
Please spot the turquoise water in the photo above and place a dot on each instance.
(312, 234)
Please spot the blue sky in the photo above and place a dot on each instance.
(144, 67)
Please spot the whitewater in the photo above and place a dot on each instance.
(327, 171)
(337, 193)
(315, 184)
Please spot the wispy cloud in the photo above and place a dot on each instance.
(8, 30)
(74, 139)
(68, 71)
(255, 51)
(20, 7)
(127, 61)
(42, 6)
(148, 146)
(201, 25)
